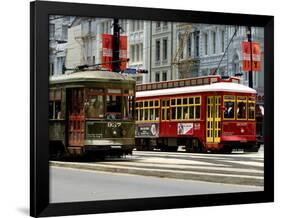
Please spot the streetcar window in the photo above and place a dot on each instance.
(145, 111)
(113, 106)
(229, 110)
(186, 108)
(251, 108)
(51, 110)
(191, 112)
(157, 114)
(197, 107)
(179, 114)
(94, 107)
(197, 100)
(152, 115)
(241, 110)
(148, 110)
(176, 108)
(164, 114)
(154, 110)
(141, 114)
(168, 114)
(127, 106)
(165, 110)
(76, 101)
(173, 113)
(58, 110)
(55, 110)
(197, 112)
(185, 113)
(229, 105)
(167, 103)
(241, 107)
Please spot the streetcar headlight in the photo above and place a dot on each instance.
(114, 132)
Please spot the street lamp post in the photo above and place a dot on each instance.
(249, 34)
(115, 51)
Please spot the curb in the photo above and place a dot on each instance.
(162, 173)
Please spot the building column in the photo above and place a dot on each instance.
(98, 40)
(192, 44)
(146, 52)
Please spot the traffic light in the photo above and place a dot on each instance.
(238, 74)
(142, 71)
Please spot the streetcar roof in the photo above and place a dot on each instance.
(214, 87)
(88, 76)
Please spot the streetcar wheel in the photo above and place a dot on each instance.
(196, 147)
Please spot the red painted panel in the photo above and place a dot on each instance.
(170, 129)
(238, 131)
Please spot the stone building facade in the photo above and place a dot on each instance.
(58, 37)
(154, 46)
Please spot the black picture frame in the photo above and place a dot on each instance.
(39, 81)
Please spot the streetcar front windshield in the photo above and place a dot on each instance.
(119, 105)
(94, 103)
(94, 107)
(113, 107)
(113, 104)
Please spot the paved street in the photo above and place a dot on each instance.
(154, 174)
(70, 185)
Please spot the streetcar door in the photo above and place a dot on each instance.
(213, 119)
(76, 117)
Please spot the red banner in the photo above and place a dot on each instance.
(107, 51)
(123, 52)
(107, 47)
(246, 56)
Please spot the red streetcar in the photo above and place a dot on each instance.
(202, 114)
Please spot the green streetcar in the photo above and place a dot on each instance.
(91, 112)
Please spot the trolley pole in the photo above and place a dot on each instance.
(249, 34)
(115, 45)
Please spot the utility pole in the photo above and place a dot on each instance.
(249, 34)
(115, 45)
